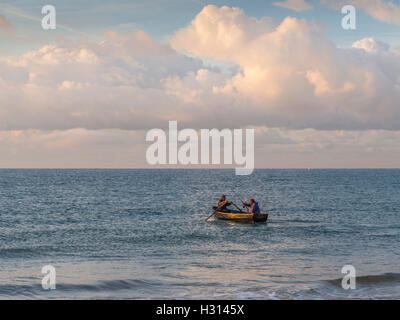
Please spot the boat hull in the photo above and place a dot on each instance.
(242, 217)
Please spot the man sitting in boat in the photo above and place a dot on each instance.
(223, 204)
(253, 205)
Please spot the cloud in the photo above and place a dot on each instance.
(296, 5)
(74, 148)
(5, 25)
(371, 45)
(383, 10)
(275, 148)
(291, 75)
(329, 149)
(113, 84)
(84, 104)
(286, 75)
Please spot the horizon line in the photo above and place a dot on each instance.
(147, 168)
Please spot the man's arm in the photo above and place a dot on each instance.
(251, 209)
(224, 203)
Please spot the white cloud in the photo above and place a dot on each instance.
(292, 75)
(114, 84)
(371, 45)
(287, 74)
(296, 5)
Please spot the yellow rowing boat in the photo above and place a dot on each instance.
(241, 217)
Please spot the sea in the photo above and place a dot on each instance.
(142, 234)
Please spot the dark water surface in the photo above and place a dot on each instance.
(139, 234)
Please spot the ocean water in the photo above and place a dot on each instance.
(141, 234)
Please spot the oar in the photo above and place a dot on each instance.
(237, 207)
(239, 198)
(212, 214)
(247, 210)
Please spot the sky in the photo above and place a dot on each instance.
(84, 95)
